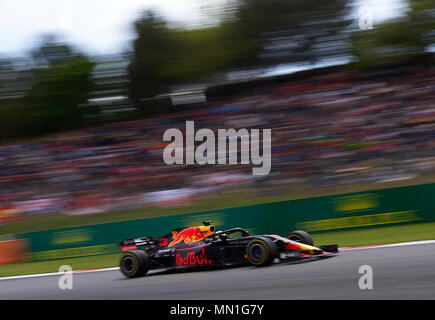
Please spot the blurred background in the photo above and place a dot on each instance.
(87, 89)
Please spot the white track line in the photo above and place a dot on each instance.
(400, 244)
(412, 243)
(56, 273)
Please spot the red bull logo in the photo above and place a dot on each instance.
(192, 259)
(191, 234)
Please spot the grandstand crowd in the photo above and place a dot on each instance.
(327, 130)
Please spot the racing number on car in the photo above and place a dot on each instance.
(163, 242)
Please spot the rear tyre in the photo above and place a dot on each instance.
(261, 252)
(301, 236)
(134, 263)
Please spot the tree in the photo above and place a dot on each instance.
(51, 98)
(251, 34)
(51, 50)
(54, 102)
(406, 36)
(152, 48)
(164, 57)
(281, 31)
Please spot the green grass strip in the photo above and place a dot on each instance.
(359, 237)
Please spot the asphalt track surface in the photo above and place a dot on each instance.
(402, 272)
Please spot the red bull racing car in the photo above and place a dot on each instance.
(203, 247)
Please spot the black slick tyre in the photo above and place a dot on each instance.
(134, 263)
(261, 251)
(301, 236)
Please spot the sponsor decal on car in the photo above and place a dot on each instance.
(192, 259)
(192, 234)
(129, 247)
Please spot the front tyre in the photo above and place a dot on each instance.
(261, 252)
(134, 263)
(301, 236)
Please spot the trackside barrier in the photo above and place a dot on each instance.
(383, 207)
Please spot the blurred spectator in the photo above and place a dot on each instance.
(334, 130)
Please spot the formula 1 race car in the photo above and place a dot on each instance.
(203, 247)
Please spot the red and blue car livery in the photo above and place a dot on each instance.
(202, 246)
